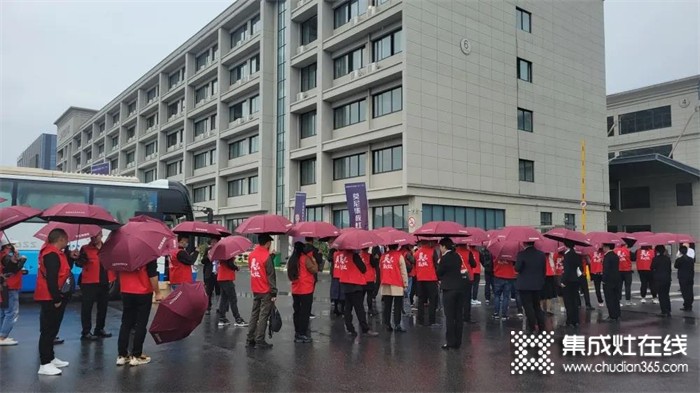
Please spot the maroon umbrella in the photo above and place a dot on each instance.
(547, 245)
(79, 213)
(641, 234)
(13, 215)
(357, 239)
(196, 228)
(229, 247)
(135, 245)
(74, 231)
(396, 238)
(265, 223)
(563, 234)
(628, 238)
(315, 229)
(505, 249)
(179, 313)
(684, 238)
(222, 230)
(441, 229)
(597, 239)
(657, 239)
(521, 234)
(2, 200)
(384, 229)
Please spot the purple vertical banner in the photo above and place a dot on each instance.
(299, 212)
(358, 208)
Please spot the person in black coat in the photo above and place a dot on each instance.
(570, 283)
(531, 267)
(686, 276)
(452, 276)
(661, 277)
(611, 282)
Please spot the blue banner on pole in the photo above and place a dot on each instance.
(299, 207)
(358, 207)
(100, 169)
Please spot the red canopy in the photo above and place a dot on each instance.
(597, 239)
(505, 249)
(520, 234)
(397, 238)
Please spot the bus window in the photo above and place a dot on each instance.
(124, 202)
(44, 195)
(6, 193)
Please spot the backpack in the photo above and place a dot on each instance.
(275, 321)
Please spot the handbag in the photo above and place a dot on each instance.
(275, 321)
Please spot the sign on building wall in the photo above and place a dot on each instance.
(100, 169)
(300, 207)
(358, 208)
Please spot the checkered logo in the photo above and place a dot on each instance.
(532, 352)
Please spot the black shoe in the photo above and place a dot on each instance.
(352, 333)
(590, 308)
(399, 329)
(58, 341)
(608, 319)
(303, 339)
(250, 344)
(389, 329)
(446, 347)
(687, 309)
(469, 321)
(102, 334)
(312, 316)
(88, 337)
(263, 345)
(370, 333)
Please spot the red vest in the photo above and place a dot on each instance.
(136, 282)
(405, 254)
(258, 275)
(558, 264)
(370, 274)
(477, 258)
(391, 269)
(464, 256)
(549, 265)
(625, 261)
(425, 265)
(41, 293)
(14, 283)
(504, 270)
(346, 270)
(597, 263)
(644, 258)
(304, 284)
(225, 273)
(91, 268)
(179, 272)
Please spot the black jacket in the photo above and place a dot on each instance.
(686, 268)
(572, 264)
(449, 271)
(661, 269)
(611, 268)
(531, 267)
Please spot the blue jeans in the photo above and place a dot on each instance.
(9, 315)
(502, 290)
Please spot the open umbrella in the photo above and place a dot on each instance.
(13, 215)
(597, 239)
(657, 239)
(384, 229)
(265, 223)
(357, 239)
(477, 236)
(229, 247)
(315, 229)
(547, 245)
(563, 234)
(521, 234)
(79, 213)
(179, 313)
(641, 234)
(74, 231)
(684, 238)
(222, 230)
(441, 229)
(135, 245)
(196, 228)
(396, 238)
(628, 238)
(505, 249)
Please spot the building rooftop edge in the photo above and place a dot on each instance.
(73, 108)
(650, 90)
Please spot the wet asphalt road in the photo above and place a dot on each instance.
(215, 359)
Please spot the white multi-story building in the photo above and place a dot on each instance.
(654, 142)
(464, 110)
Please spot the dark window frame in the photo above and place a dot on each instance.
(525, 168)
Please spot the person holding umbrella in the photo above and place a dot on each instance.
(661, 276)
(686, 275)
(531, 265)
(225, 278)
(625, 271)
(570, 283)
(469, 263)
(644, 257)
(11, 266)
(94, 284)
(452, 274)
(426, 282)
(371, 277)
(263, 283)
(596, 259)
(181, 262)
(301, 269)
(394, 279)
(611, 282)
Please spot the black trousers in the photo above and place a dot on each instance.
(597, 280)
(371, 294)
(571, 300)
(488, 285)
(452, 303)
(387, 303)
(302, 311)
(475, 287)
(228, 299)
(413, 292)
(211, 286)
(533, 311)
(612, 298)
(94, 293)
(353, 301)
(647, 280)
(627, 280)
(687, 293)
(427, 293)
(135, 312)
(663, 289)
(583, 286)
(50, 318)
(467, 308)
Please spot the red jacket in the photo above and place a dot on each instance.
(370, 274)
(477, 258)
(464, 255)
(180, 273)
(549, 265)
(597, 263)
(225, 273)
(91, 267)
(41, 293)
(504, 270)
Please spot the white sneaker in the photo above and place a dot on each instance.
(122, 360)
(520, 315)
(59, 363)
(49, 369)
(7, 342)
(643, 301)
(137, 361)
(601, 304)
(621, 304)
(562, 309)
(655, 301)
(629, 303)
(478, 302)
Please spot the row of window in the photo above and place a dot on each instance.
(382, 48)
(569, 219)
(640, 197)
(243, 147)
(243, 186)
(248, 29)
(383, 160)
(468, 216)
(644, 120)
(383, 216)
(205, 159)
(355, 112)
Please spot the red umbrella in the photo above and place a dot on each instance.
(684, 238)
(562, 234)
(179, 313)
(74, 231)
(505, 249)
(315, 229)
(585, 250)
(477, 236)
(229, 247)
(357, 239)
(2, 200)
(641, 234)
(222, 230)
(597, 239)
(520, 234)
(79, 213)
(196, 228)
(657, 239)
(265, 223)
(628, 238)
(547, 245)
(13, 215)
(135, 245)
(441, 229)
(396, 237)
(384, 229)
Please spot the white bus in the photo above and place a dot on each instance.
(123, 197)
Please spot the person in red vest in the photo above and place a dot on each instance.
(503, 286)
(644, 257)
(407, 252)
(477, 275)
(469, 264)
(301, 268)
(426, 257)
(263, 283)
(394, 279)
(137, 290)
(625, 271)
(371, 277)
(52, 285)
(181, 263)
(225, 277)
(549, 290)
(558, 272)
(94, 285)
(597, 274)
(11, 265)
(350, 270)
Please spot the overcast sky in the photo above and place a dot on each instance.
(55, 54)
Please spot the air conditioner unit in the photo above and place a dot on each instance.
(130, 164)
(130, 139)
(301, 95)
(373, 67)
(300, 49)
(89, 141)
(240, 121)
(151, 156)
